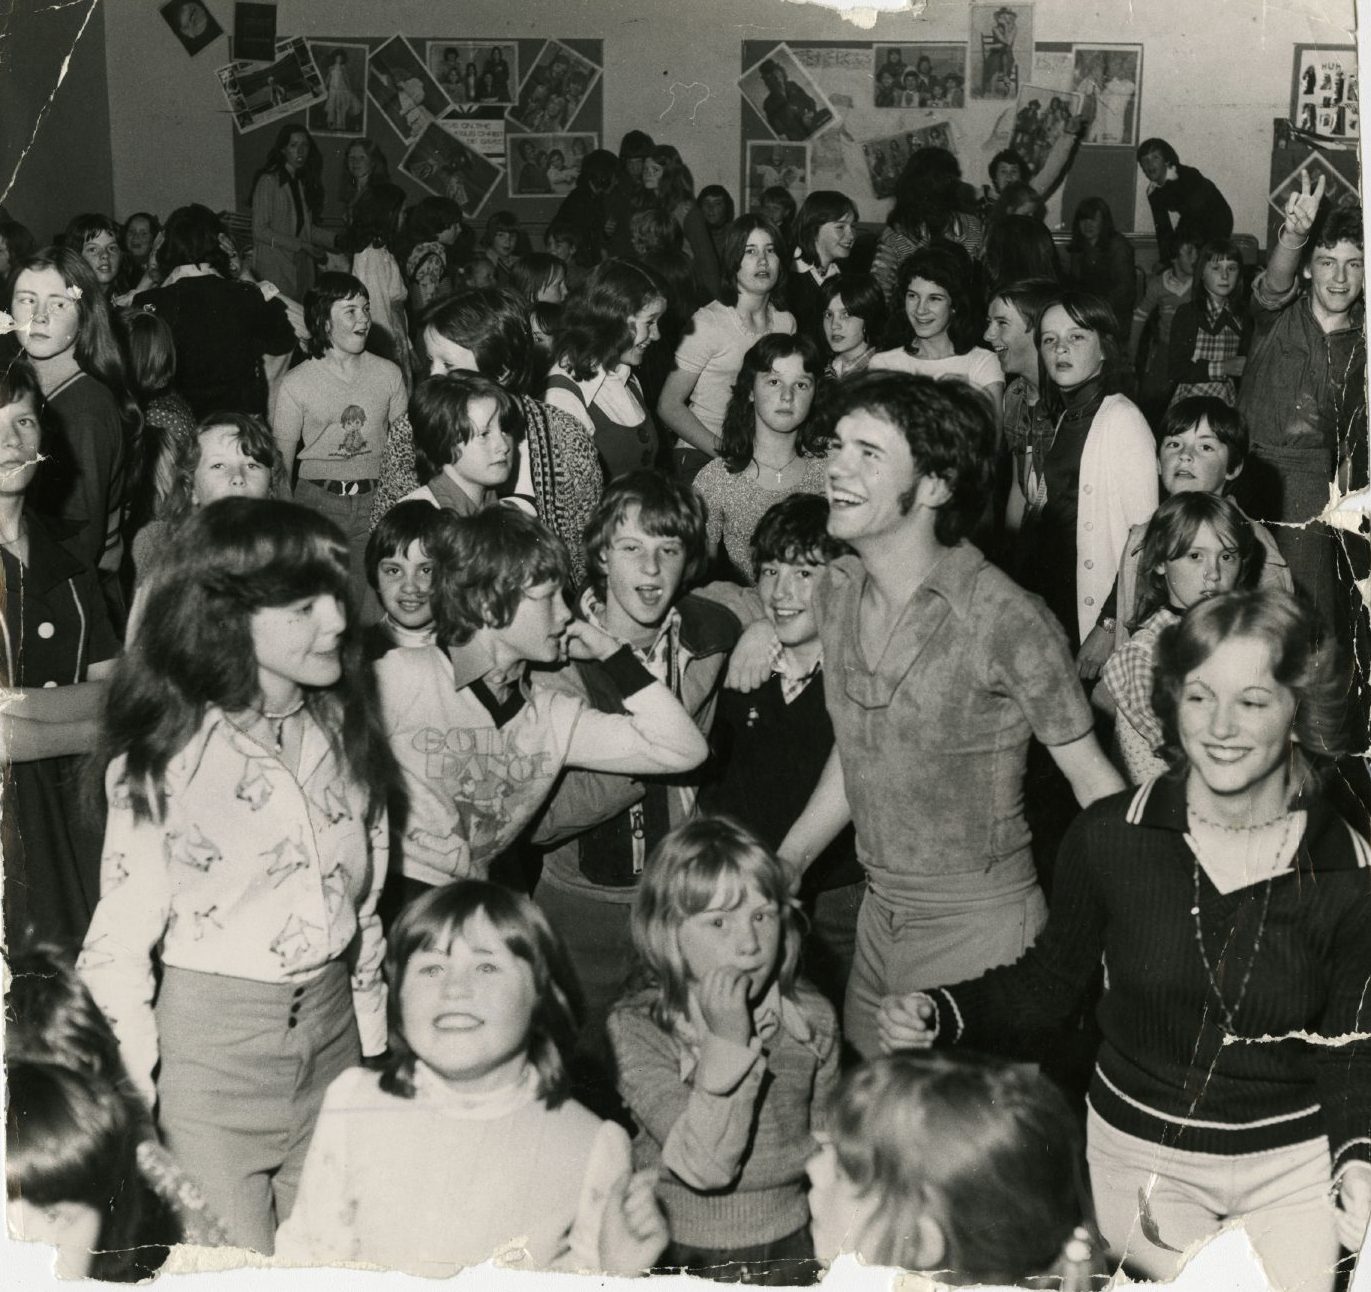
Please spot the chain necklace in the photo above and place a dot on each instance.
(276, 722)
(1229, 1014)
(777, 471)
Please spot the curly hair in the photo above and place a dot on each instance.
(946, 424)
(950, 268)
(740, 418)
(595, 329)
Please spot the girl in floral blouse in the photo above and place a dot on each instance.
(245, 849)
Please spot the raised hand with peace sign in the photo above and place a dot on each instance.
(1302, 206)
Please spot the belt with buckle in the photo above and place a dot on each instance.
(346, 488)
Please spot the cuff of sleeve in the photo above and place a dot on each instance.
(1354, 1150)
(723, 1064)
(627, 673)
(941, 995)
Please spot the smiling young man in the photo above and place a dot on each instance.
(941, 671)
(334, 411)
(644, 547)
(1304, 390)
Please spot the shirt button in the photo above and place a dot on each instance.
(1090, 601)
(1087, 488)
(46, 630)
(1090, 524)
(1090, 565)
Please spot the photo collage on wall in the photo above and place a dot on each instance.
(476, 119)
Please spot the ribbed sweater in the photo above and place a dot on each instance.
(1125, 890)
(739, 1126)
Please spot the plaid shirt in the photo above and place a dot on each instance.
(1128, 673)
(1217, 339)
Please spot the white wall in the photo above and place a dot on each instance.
(1215, 74)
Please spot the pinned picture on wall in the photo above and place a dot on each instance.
(776, 166)
(1040, 120)
(470, 72)
(555, 89)
(192, 24)
(445, 166)
(259, 94)
(1109, 80)
(1337, 193)
(546, 165)
(401, 87)
(1001, 49)
(785, 96)
(343, 68)
(254, 32)
(921, 76)
(885, 158)
(1324, 99)
(482, 134)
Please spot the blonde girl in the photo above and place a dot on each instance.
(726, 1058)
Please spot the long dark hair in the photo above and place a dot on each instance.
(311, 173)
(595, 327)
(491, 322)
(194, 648)
(926, 194)
(97, 347)
(949, 267)
(1093, 208)
(740, 419)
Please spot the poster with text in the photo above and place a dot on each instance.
(1324, 99)
(1001, 49)
(485, 135)
(343, 68)
(447, 167)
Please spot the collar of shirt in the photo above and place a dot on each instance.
(802, 266)
(792, 683)
(410, 636)
(657, 659)
(473, 661)
(484, 1105)
(771, 1014)
(190, 271)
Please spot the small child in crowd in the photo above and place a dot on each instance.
(401, 570)
(726, 1060)
(1212, 332)
(464, 432)
(465, 1144)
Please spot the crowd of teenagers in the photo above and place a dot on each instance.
(670, 752)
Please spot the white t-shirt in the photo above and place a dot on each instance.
(714, 348)
(977, 366)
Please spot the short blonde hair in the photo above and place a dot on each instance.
(681, 878)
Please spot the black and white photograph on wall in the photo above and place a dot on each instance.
(475, 71)
(1001, 49)
(1324, 98)
(785, 96)
(921, 76)
(344, 72)
(776, 166)
(1040, 120)
(448, 168)
(1109, 80)
(555, 89)
(192, 24)
(546, 165)
(259, 94)
(402, 88)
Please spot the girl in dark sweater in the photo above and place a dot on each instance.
(1231, 905)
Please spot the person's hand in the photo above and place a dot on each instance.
(1095, 649)
(1236, 366)
(1354, 1205)
(750, 664)
(1302, 207)
(633, 1231)
(584, 640)
(906, 1022)
(722, 994)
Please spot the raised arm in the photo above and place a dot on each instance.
(1301, 210)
